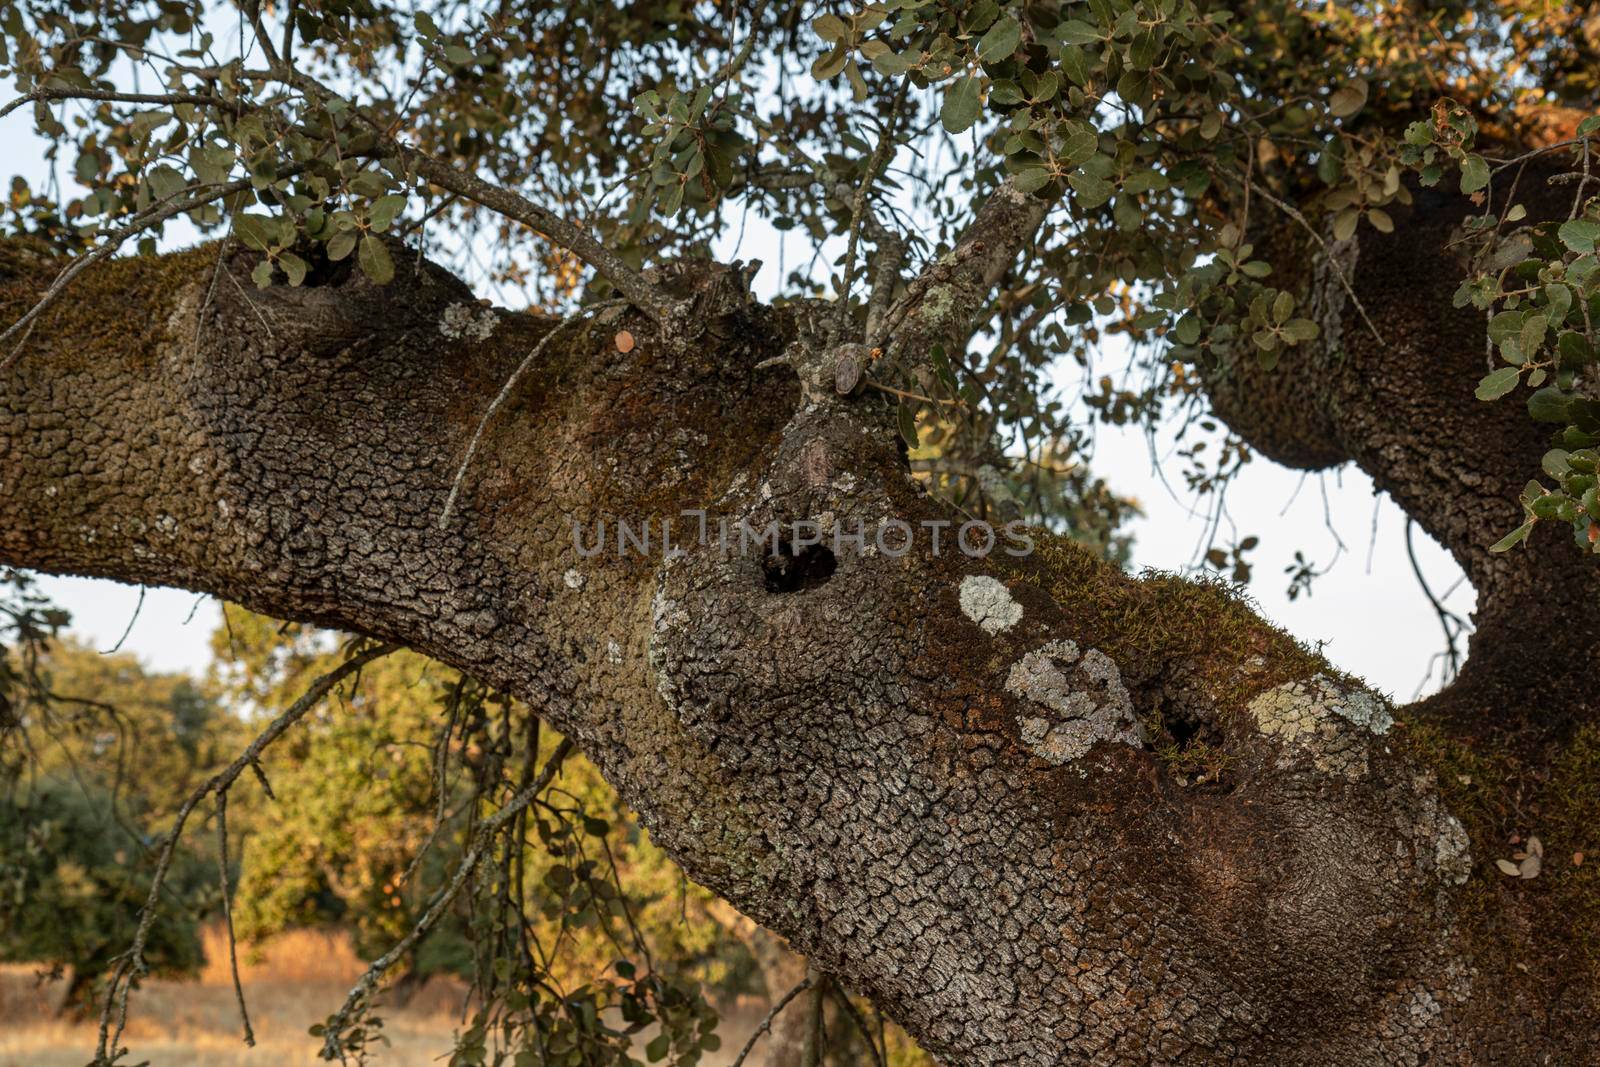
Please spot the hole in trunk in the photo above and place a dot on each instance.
(1194, 751)
(789, 572)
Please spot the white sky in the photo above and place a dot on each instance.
(1370, 610)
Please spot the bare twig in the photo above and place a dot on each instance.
(772, 1016)
(131, 964)
(482, 839)
(227, 914)
(851, 1010)
(501, 397)
(1294, 213)
(858, 208)
(110, 96)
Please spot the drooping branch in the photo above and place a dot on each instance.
(131, 966)
(482, 839)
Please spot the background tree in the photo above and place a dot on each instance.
(96, 760)
(1036, 810)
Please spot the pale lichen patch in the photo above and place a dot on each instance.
(1084, 696)
(1452, 855)
(1310, 717)
(987, 602)
(461, 321)
(573, 579)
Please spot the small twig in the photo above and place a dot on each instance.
(811, 1050)
(131, 620)
(1294, 213)
(131, 965)
(118, 98)
(772, 1016)
(861, 1024)
(482, 838)
(227, 914)
(858, 209)
(505, 392)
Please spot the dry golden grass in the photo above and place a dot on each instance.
(290, 983)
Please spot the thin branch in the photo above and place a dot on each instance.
(1294, 213)
(503, 395)
(132, 964)
(482, 838)
(129, 629)
(861, 1024)
(227, 914)
(772, 1016)
(110, 96)
(858, 208)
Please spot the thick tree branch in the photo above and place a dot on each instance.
(939, 304)
(937, 775)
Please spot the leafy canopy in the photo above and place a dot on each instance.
(529, 143)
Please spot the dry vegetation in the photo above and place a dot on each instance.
(291, 983)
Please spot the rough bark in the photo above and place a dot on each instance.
(939, 777)
(1515, 733)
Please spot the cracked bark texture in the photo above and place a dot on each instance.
(1402, 409)
(952, 804)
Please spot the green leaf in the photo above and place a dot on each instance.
(891, 64)
(1474, 173)
(1547, 405)
(960, 108)
(374, 260)
(341, 245)
(1144, 181)
(1076, 31)
(1001, 40)
(294, 267)
(256, 231)
(1282, 307)
(1497, 383)
(1532, 335)
(262, 275)
(384, 209)
(1298, 330)
(830, 28)
(1514, 538)
(830, 64)
(1080, 144)
(908, 423)
(1092, 191)
(1344, 225)
(1075, 64)
(1031, 179)
(1188, 329)
(1506, 324)
(1579, 235)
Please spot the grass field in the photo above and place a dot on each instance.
(298, 981)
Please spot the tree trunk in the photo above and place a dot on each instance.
(937, 776)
